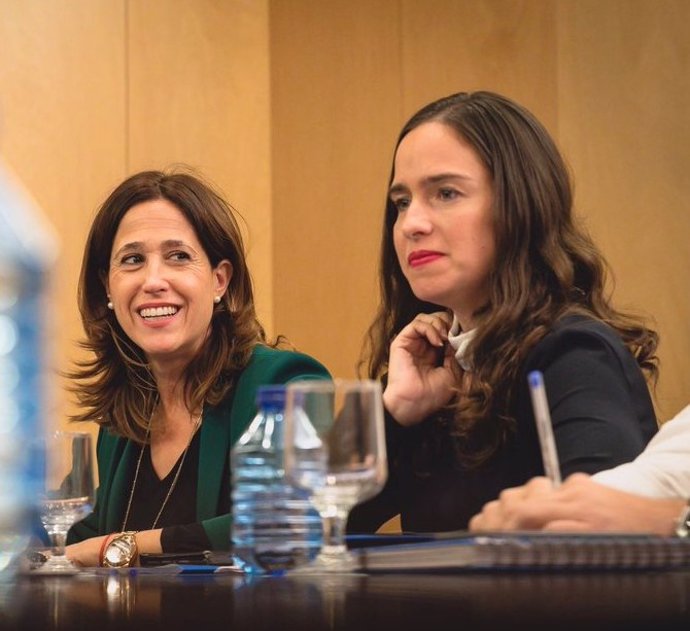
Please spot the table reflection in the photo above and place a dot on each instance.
(471, 601)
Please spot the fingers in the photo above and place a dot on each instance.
(488, 519)
(499, 514)
(85, 553)
(538, 505)
(535, 487)
(431, 326)
(516, 508)
(576, 479)
(420, 375)
(538, 486)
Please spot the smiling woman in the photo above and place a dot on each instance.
(161, 283)
(177, 355)
(486, 276)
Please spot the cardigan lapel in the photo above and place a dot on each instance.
(220, 429)
(120, 489)
(213, 453)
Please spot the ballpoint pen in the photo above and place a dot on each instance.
(542, 417)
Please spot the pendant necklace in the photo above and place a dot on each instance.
(197, 424)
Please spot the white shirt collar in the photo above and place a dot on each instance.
(459, 340)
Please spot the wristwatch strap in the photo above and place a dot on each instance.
(104, 545)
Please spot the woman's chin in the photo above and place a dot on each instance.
(163, 355)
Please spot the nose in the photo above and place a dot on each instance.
(154, 276)
(415, 221)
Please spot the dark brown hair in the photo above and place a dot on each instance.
(115, 386)
(547, 266)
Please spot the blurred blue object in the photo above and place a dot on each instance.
(28, 248)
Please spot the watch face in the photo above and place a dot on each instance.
(119, 552)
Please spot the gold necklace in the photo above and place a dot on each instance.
(197, 424)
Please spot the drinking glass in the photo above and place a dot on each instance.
(335, 449)
(67, 491)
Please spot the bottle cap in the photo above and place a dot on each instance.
(272, 397)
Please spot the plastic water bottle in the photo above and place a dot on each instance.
(27, 249)
(275, 526)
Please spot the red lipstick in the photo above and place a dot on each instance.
(422, 257)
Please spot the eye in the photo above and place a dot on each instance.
(400, 203)
(132, 259)
(179, 255)
(448, 194)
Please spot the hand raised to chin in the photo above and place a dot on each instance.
(420, 374)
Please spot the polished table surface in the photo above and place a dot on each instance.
(462, 601)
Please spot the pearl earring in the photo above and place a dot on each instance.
(216, 300)
(110, 305)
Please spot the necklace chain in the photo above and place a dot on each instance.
(197, 424)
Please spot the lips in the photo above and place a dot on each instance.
(422, 257)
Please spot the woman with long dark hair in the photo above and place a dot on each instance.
(485, 276)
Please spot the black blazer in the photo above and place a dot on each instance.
(602, 415)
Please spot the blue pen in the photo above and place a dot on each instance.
(540, 405)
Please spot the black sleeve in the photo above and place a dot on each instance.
(186, 538)
(600, 405)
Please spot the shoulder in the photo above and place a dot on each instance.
(271, 365)
(586, 362)
(584, 350)
(574, 333)
(267, 366)
(586, 327)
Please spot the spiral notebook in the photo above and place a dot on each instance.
(525, 551)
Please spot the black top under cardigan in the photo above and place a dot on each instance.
(181, 532)
(602, 416)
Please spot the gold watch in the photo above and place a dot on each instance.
(121, 551)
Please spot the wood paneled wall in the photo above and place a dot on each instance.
(198, 93)
(345, 76)
(609, 79)
(63, 130)
(624, 123)
(92, 91)
(292, 107)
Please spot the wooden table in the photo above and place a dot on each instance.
(559, 601)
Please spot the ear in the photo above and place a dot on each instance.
(222, 274)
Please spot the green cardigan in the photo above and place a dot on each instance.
(222, 425)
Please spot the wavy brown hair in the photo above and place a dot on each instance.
(115, 386)
(547, 267)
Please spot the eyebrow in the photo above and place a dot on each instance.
(431, 179)
(133, 246)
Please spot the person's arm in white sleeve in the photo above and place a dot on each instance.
(663, 469)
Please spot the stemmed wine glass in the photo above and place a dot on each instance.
(67, 491)
(335, 449)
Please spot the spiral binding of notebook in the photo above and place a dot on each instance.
(530, 551)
